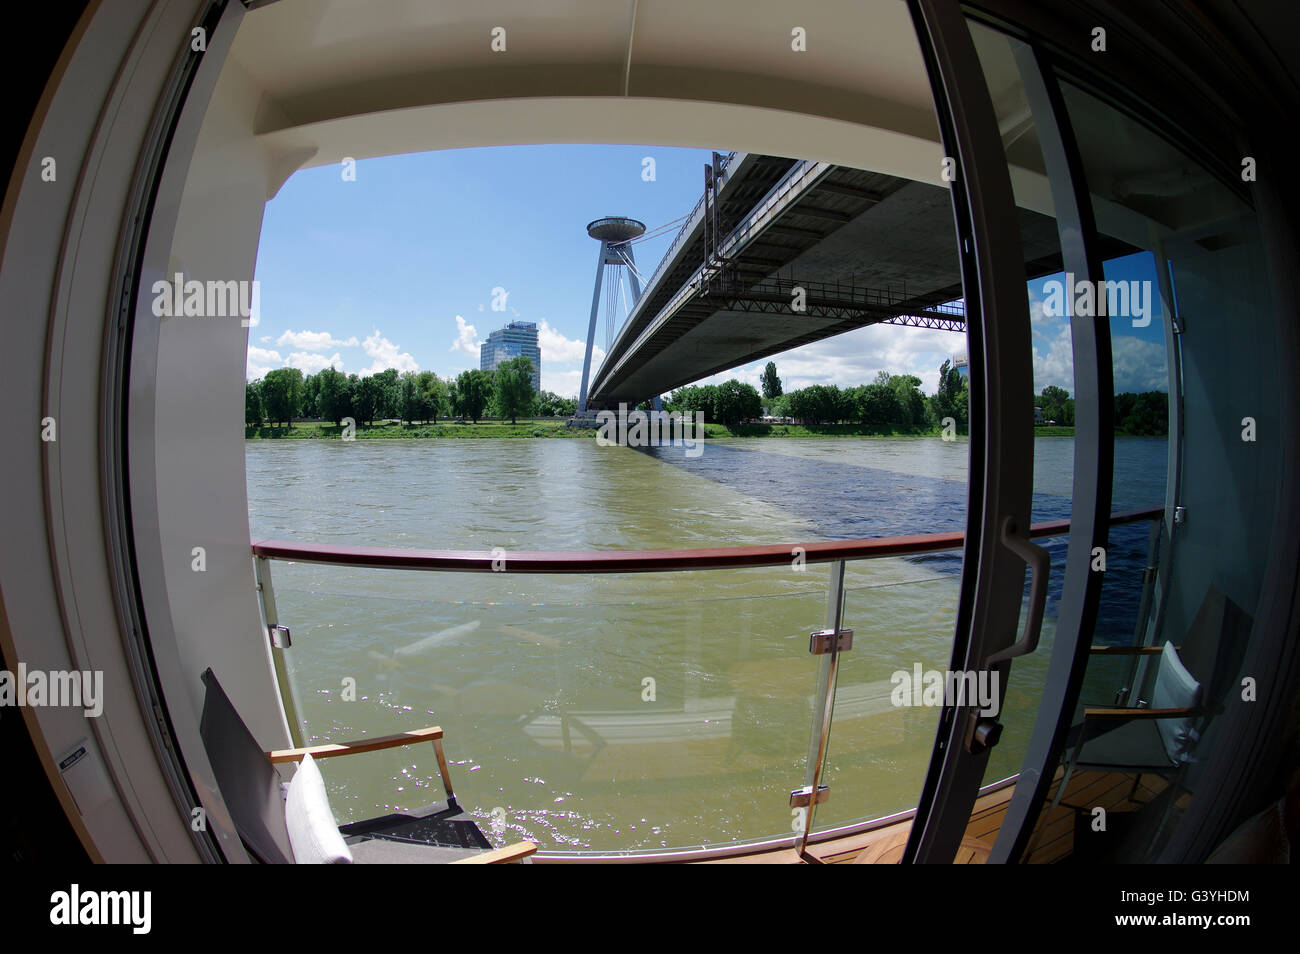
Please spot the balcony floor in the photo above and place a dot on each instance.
(1054, 832)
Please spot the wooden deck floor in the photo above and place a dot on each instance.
(1054, 833)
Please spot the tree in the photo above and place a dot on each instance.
(734, 402)
(1053, 400)
(282, 394)
(907, 387)
(434, 390)
(332, 398)
(1149, 415)
(365, 400)
(253, 413)
(310, 389)
(878, 405)
(388, 394)
(513, 392)
(952, 399)
(350, 404)
(771, 383)
(473, 391)
(550, 404)
(693, 398)
(819, 403)
(412, 404)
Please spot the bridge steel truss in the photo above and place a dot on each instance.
(837, 301)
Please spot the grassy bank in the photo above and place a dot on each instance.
(307, 430)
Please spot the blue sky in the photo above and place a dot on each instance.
(399, 269)
(1138, 357)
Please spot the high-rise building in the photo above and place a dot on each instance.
(517, 339)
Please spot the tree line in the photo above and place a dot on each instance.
(892, 400)
(1135, 415)
(285, 395)
(896, 401)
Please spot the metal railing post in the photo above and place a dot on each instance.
(823, 701)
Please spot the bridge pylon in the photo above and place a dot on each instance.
(615, 235)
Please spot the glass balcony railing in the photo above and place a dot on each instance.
(597, 705)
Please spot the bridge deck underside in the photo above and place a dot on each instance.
(852, 235)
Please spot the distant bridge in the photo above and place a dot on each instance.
(781, 253)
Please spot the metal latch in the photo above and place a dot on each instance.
(802, 797)
(279, 636)
(828, 641)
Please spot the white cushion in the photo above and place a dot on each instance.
(313, 833)
(1175, 689)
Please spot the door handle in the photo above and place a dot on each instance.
(1039, 562)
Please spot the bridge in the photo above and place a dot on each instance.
(780, 253)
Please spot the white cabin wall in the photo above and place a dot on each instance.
(199, 413)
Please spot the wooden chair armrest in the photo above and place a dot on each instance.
(1100, 650)
(432, 733)
(1139, 713)
(501, 856)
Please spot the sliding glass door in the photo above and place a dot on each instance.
(998, 552)
(1150, 303)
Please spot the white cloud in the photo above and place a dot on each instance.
(563, 383)
(855, 357)
(314, 341)
(1054, 357)
(310, 363)
(557, 349)
(386, 355)
(466, 337)
(1139, 365)
(1038, 316)
(260, 361)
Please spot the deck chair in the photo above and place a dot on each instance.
(264, 810)
(1161, 733)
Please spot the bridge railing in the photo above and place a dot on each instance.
(531, 679)
(686, 229)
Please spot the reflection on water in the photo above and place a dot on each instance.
(638, 711)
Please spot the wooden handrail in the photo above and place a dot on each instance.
(327, 750)
(1131, 713)
(643, 561)
(501, 856)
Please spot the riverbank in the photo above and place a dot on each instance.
(551, 428)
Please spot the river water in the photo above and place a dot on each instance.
(641, 711)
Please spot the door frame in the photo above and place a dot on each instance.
(1001, 433)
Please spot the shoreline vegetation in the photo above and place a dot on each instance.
(477, 404)
(559, 429)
